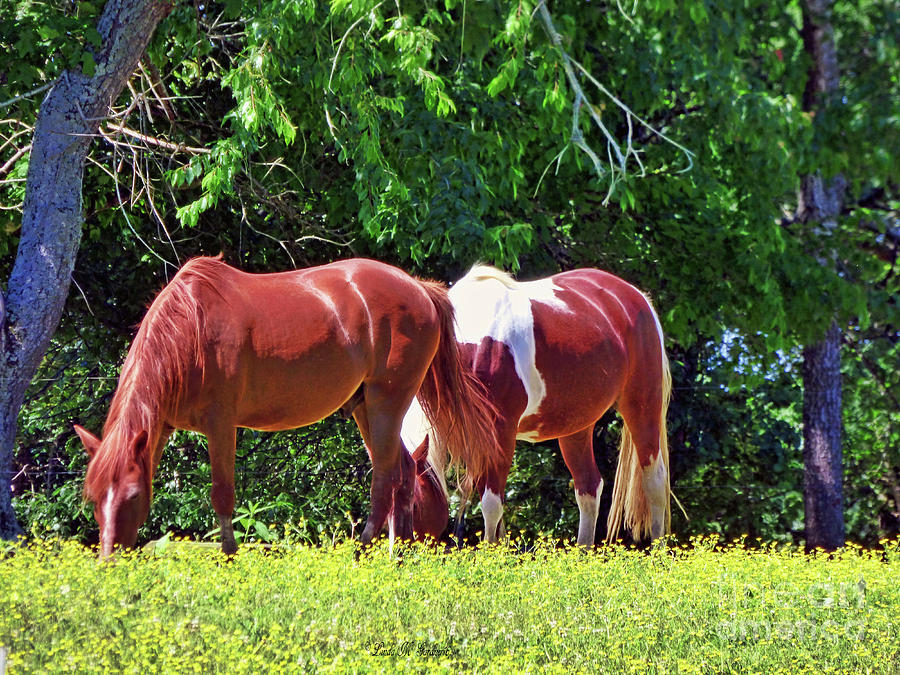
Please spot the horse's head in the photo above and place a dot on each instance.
(118, 483)
(431, 510)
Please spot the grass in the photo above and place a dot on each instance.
(697, 609)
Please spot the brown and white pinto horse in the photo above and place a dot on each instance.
(555, 355)
(220, 349)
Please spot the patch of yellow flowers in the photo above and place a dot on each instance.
(697, 608)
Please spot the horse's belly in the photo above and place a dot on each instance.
(281, 419)
(574, 398)
(278, 397)
(555, 422)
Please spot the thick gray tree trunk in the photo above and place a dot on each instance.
(820, 204)
(51, 224)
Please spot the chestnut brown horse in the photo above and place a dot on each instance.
(555, 354)
(431, 506)
(220, 349)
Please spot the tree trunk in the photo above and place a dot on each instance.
(823, 497)
(820, 203)
(51, 224)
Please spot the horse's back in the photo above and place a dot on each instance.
(285, 349)
(570, 311)
(568, 343)
(338, 300)
(607, 303)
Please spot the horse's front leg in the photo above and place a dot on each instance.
(578, 454)
(221, 458)
(493, 488)
(492, 510)
(465, 492)
(391, 501)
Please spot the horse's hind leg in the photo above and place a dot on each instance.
(578, 453)
(221, 458)
(640, 408)
(392, 475)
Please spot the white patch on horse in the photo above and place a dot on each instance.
(654, 484)
(415, 427)
(108, 514)
(588, 509)
(492, 510)
(495, 306)
(392, 535)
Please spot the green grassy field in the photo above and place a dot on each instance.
(184, 608)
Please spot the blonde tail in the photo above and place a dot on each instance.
(629, 499)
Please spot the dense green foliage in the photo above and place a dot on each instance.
(698, 610)
(438, 133)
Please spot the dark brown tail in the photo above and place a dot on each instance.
(455, 402)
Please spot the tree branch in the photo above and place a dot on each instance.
(69, 117)
(149, 140)
(15, 158)
(618, 165)
(27, 94)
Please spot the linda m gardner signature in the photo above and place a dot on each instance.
(410, 648)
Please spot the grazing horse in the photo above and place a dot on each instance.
(431, 506)
(555, 354)
(221, 349)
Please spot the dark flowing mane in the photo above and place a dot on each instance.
(168, 345)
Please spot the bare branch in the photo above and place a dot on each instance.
(149, 140)
(26, 131)
(337, 53)
(15, 158)
(326, 240)
(29, 94)
(280, 242)
(157, 87)
(631, 115)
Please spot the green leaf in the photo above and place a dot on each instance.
(88, 65)
(262, 531)
(92, 37)
(698, 13)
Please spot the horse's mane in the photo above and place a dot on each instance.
(482, 272)
(168, 345)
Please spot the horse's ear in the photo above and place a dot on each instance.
(139, 446)
(140, 453)
(421, 453)
(139, 441)
(88, 440)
